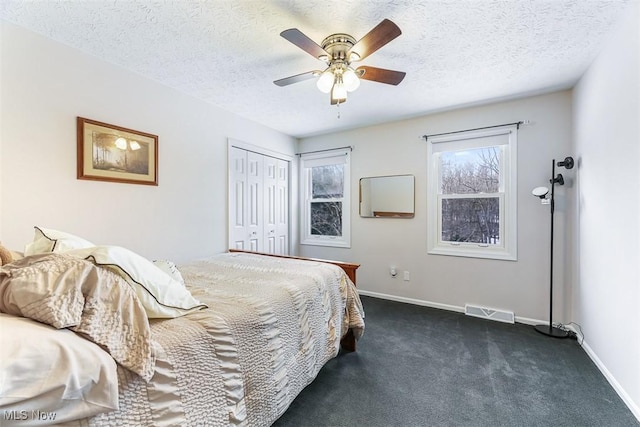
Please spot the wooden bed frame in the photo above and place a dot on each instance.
(348, 342)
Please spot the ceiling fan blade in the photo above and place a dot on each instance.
(298, 38)
(297, 78)
(381, 75)
(381, 34)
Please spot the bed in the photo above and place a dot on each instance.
(99, 336)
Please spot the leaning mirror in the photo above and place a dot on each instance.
(387, 196)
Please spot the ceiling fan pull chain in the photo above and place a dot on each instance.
(338, 104)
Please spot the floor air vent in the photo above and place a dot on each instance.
(489, 313)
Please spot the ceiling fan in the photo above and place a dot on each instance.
(339, 51)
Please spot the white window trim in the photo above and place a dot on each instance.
(508, 202)
(306, 238)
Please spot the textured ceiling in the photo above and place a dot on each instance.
(229, 52)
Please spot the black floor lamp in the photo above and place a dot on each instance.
(542, 192)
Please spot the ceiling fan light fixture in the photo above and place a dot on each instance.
(325, 82)
(339, 92)
(351, 80)
(338, 51)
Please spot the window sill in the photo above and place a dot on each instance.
(326, 242)
(468, 251)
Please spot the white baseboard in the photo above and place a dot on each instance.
(527, 321)
(635, 410)
(459, 309)
(412, 301)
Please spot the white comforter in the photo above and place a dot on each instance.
(270, 326)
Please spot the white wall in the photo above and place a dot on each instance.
(44, 86)
(607, 148)
(395, 148)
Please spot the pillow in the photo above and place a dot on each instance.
(15, 255)
(160, 294)
(6, 256)
(170, 268)
(46, 240)
(53, 371)
(68, 292)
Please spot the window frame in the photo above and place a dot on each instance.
(507, 193)
(325, 158)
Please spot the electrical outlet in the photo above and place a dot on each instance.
(393, 272)
(406, 276)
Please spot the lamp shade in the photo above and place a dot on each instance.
(325, 81)
(351, 80)
(339, 91)
(540, 191)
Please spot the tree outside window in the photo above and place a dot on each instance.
(470, 196)
(325, 186)
(472, 188)
(327, 191)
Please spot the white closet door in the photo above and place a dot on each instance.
(255, 218)
(282, 208)
(238, 232)
(270, 205)
(258, 202)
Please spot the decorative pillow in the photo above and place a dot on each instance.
(53, 371)
(46, 240)
(6, 256)
(69, 292)
(170, 268)
(160, 294)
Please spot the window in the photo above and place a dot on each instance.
(472, 193)
(325, 183)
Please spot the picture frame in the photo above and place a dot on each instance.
(113, 153)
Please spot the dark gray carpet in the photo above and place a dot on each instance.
(418, 366)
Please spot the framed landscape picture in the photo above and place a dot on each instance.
(113, 153)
